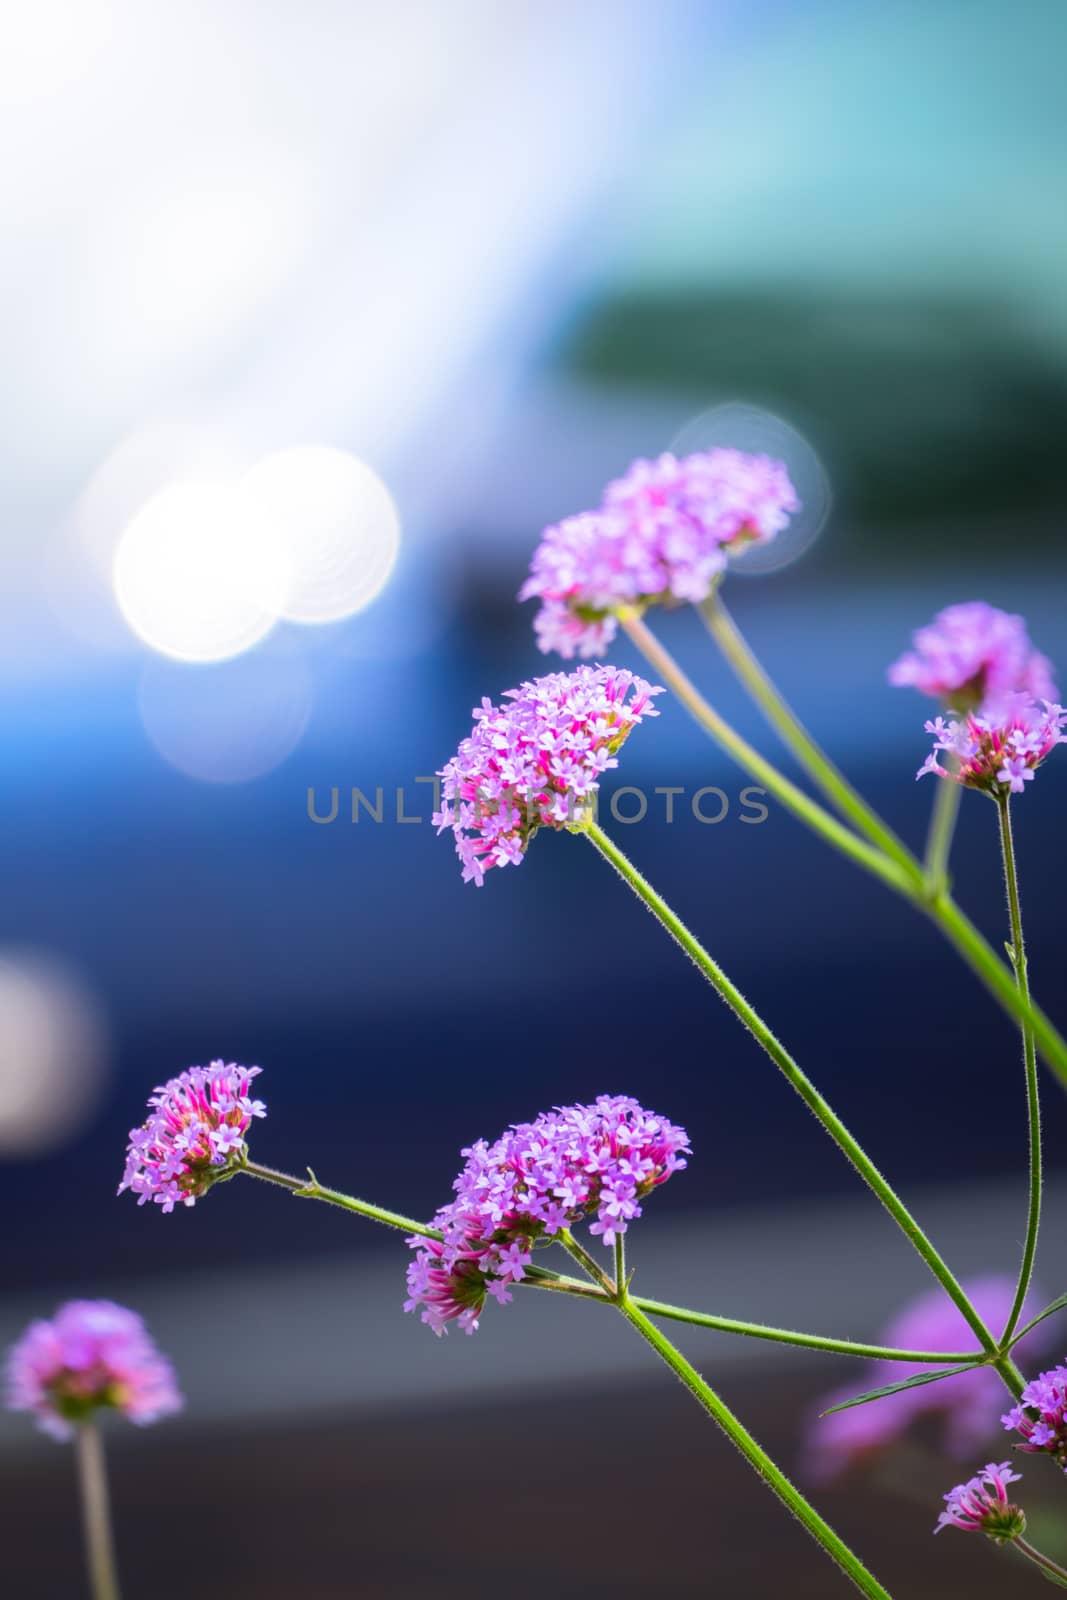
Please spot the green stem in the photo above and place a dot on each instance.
(811, 1097)
(946, 810)
(795, 800)
(796, 737)
(96, 1511)
(310, 1188)
(753, 1453)
(560, 1284)
(939, 907)
(1046, 1564)
(588, 1262)
(998, 979)
(620, 1263)
(602, 1288)
(807, 1341)
(1033, 1096)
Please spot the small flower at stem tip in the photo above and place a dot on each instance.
(536, 762)
(998, 749)
(1041, 1416)
(92, 1355)
(981, 1505)
(194, 1136)
(973, 653)
(539, 1178)
(663, 534)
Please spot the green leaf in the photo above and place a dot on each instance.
(1057, 1305)
(1052, 1577)
(906, 1383)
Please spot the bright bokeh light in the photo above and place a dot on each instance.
(208, 249)
(210, 562)
(228, 722)
(147, 460)
(48, 45)
(193, 579)
(53, 1051)
(330, 522)
(744, 427)
(77, 563)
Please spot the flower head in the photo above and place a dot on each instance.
(981, 1505)
(998, 749)
(1041, 1416)
(578, 1163)
(92, 1354)
(972, 653)
(194, 1135)
(663, 532)
(536, 761)
(964, 1408)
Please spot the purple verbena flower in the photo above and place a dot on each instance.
(194, 1135)
(570, 1165)
(973, 653)
(966, 1407)
(92, 1354)
(663, 533)
(536, 761)
(999, 748)
(981, 1505)
(1041, 1416)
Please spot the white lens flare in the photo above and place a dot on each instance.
(78, 564)
(231, 721)
(736, 426)
(332, 524)
(210, 248)
(152, 457)
(49, 46)
(192, 577)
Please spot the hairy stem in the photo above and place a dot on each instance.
(310, 1188)
(913, 885)
(753, 1453)
(834, 785)
(602, 1288)
(811, 1097)
(943, 817)
(1033, 1095)
(1046, 1564)
(96, 1511)
(998, 979)
(809, 1341)
(795, 800)
(587, 1262)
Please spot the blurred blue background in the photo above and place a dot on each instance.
(388, 289)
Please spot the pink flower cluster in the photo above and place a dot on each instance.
(92, 1354)
(966, 1406)
(536, 761)
(662, 533)
(999, 748)
(578, 1162)
(973, 653)
(981, 1505)
(195, 1133)
(1041, 1415)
